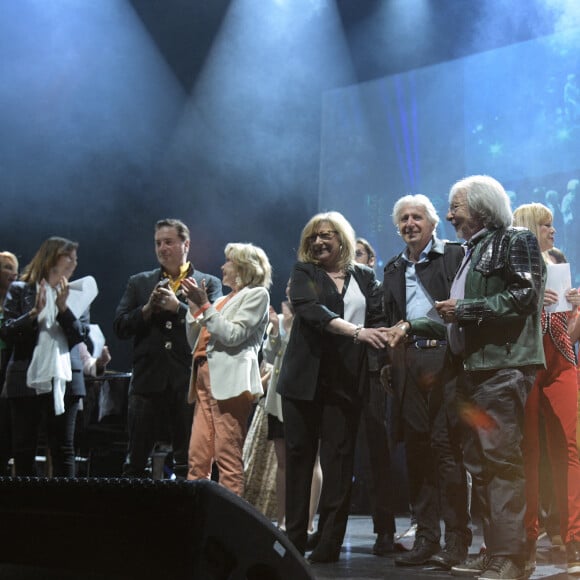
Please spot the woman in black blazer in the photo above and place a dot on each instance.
(338, 315)
(43, 334)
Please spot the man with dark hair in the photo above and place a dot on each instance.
(152, 312)
(495, 344)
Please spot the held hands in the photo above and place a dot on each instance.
(397, 333)
(196, 295)
(377, 337)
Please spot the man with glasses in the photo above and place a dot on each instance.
(424, 415)
(493, 319)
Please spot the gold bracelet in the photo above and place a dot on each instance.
(356, 333)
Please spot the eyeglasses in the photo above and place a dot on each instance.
(324, 236)
(360, 253)
(453, 208)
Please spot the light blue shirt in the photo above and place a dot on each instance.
(418, 300)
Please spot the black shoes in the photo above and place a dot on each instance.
(454, 552)
(384, 545)
(503, 568)
(421, 553)
(312, 541)
(472, 566)
(325, 553)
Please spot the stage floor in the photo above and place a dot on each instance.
(357, 561)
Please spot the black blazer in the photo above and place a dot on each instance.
(160, 347)
(316, 302)
(21, 334)
(436, 276)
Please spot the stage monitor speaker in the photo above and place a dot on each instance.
(117, 529)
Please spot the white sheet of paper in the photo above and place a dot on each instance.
(560, 280)
(81, 294)
(434, 315)
(98, 339)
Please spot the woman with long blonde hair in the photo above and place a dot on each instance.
(553, 399)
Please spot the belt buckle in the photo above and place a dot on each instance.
(426, 343)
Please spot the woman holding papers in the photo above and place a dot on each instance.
(44, 379)
(553, 400)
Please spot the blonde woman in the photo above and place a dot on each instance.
(226, 338)
(554, 398)
(337, 305)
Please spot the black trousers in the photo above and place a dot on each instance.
(377, 440)
(28, 414)
(493, 455)
(433, 445)
(155, 417)
(334, 424)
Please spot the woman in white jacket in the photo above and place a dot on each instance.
(226, 338)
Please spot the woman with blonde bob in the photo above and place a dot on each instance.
(554, 399)
(337, 305)
(225, 338)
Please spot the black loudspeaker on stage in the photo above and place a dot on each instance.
(118, 529)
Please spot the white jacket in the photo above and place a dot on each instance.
(236, 334)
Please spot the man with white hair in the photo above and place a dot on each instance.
(423, 400)
(495, 345)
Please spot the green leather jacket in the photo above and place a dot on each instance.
(504, 293)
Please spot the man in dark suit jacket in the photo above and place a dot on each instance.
(152, 312)
(425, 414)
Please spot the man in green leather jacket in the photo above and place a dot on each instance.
(494, 338)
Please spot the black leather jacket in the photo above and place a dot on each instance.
(21, 334)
